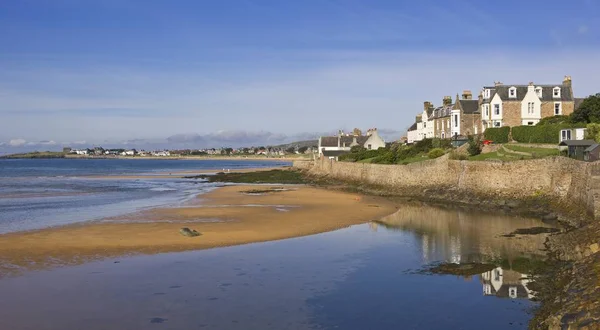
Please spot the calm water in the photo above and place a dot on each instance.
(362, 277)
(38, 193)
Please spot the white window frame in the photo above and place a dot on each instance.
(556, 92)
(497, 109)
(497, 123)
(539, 92)
(486, 94)
(565, 134)
(559, 108)
(512, 92)
(486, 109)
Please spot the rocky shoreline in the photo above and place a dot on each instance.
(569, 287)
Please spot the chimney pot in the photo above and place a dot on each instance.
(467, 95)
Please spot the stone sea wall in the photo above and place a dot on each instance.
(563, 180)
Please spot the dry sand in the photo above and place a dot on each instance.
(244, 218)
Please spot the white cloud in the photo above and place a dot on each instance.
(17, 142)
(582, 29)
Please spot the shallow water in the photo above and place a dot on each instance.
(39, 193)
(362, 277)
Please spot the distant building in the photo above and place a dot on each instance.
(504, 283)
(344, 142)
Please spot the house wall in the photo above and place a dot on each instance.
(511, 113)
(526, 117)
(561, 178)
(375, 141)
(412, 136)
(471, 124)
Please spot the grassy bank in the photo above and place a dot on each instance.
(36, 154)
(286, 176)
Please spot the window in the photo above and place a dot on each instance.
(497, 124)
(369, 146)
(486, 110)
(497, 109)
(486, 94)
(556, 92)
(530, 123)
(448, 123)
(538, 91)
(565, 134)
(496, 275)
(530, 107)
(455, 120)
(557, 109)
(512, 92)
(512, 292)
(424, 124)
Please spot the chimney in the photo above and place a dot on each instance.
(447, 100)
(567, 81)
(427, 105)
(467, 95)
(497, 83)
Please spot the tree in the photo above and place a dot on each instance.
(593, 132)
(290, 150)
(302, 150)
(357, 149)
(475, 146)
(588, 111)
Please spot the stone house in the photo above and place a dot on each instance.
(344, 142)
(441, 119)
(466, 119)
(516, 105)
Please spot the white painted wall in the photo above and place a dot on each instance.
(495, 101)
(412, 136)
(531, 97)
(375, 141)
(455, 122)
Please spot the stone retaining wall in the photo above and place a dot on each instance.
(565, 180)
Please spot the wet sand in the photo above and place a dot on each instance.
(179, 174)
(243, 218)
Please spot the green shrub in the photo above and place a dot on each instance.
(554, 120)
(475, 146)
(549, 133)
(458, 156)
(497, 134)
(435, 153)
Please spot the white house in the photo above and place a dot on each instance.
(80, 152)
(334, 146)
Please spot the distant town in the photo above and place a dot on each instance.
(241, 152)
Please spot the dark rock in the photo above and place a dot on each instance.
(189, 232)
(550, 217)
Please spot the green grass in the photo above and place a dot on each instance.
(367, 161)
(538, 152)
(415, 159)
(495, 155)
(37, 154)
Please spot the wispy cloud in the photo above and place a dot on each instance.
(583, 29)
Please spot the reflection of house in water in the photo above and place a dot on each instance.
(504, 283)
(458, 236)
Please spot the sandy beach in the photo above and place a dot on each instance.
(226, 216)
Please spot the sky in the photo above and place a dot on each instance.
(215, 73)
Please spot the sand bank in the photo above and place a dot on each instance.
(178, 174)
(244, 218)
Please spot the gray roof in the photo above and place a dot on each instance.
(413, 127)
(334, 153)
(469, 106)
(329, 141)
(332, 141)
(566, 92)
(592, 147)
(442, 111)
(573, 143)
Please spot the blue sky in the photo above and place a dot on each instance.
(200, 73)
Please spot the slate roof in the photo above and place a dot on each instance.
(329, 141)
(413, 127)
(566, 93)
(577, 143)
(332, 141)
(442, 111)
(592, 147)
(469, 106)
(503, 292)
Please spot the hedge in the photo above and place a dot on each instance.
(497, 134)
(549, 133)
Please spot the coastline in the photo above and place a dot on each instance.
(224, 217)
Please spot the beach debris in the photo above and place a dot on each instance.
(185, 231)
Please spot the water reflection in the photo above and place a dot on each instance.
(458, 236)
(506, 283)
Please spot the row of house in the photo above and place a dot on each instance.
(496, 106)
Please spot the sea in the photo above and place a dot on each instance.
(41, 193)
(369, 276)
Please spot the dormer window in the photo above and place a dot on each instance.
(556, 92)
(538, 91)
(512, 93)
(486, 94)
